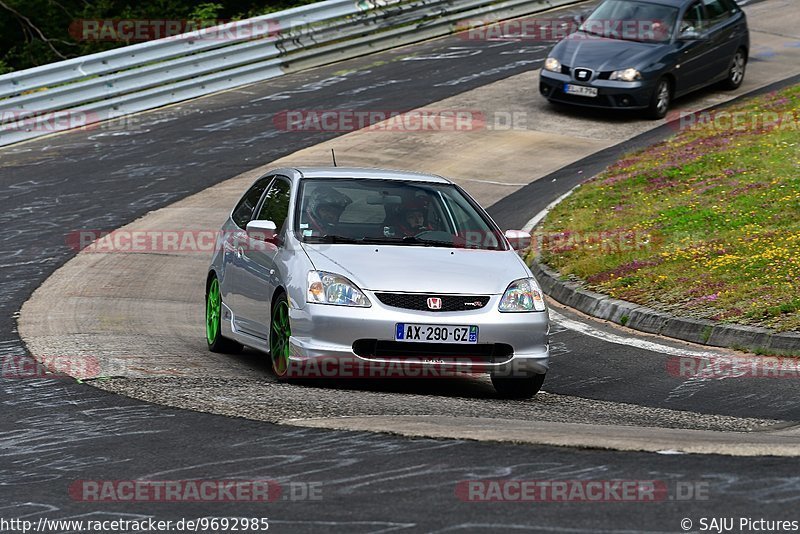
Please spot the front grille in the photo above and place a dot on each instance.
(582, 74)
(399, 350)
(419, 301)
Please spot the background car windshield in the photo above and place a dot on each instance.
(632, 21)
(391, 212)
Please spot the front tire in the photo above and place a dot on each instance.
(660, 100)
(517, 387)
(279, 333)
(736, 71)
(217, 343)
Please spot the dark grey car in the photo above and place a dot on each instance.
(642, 54)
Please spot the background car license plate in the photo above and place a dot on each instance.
(436, 333)
(580, 90)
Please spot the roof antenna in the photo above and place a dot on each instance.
(333, 155)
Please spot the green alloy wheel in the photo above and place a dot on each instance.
(217, 343)
(280, 332)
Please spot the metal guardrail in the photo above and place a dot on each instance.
(148, 75)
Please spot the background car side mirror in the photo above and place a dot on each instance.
(689, 34)
(263, 231)
(519, 239)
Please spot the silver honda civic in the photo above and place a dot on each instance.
(340, 272)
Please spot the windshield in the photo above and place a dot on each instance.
(391, 212)
(632, 21)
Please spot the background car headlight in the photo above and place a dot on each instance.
(552, 64)
(627, 75)
(329, 288)
(522, 295)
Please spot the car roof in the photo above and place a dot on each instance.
(362, 173)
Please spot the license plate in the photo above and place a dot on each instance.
(580, 90)
(432, 333)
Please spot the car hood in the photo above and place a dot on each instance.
(414, 269)
(602, 54)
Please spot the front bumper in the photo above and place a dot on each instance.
(611, 94)
(508, 343)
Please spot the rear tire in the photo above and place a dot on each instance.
(660, 100)
(517, 387)
(216, 342)
(736, 71)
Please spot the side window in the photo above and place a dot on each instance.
(730, 5)
(716, 11)
(243, 211)
(693, 18)
(275, 207)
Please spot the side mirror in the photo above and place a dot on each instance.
(263, 231)
(689, 34)
(519, 239)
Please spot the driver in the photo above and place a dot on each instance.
(324, 208)
(412, 217)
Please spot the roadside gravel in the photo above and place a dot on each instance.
(268, 400)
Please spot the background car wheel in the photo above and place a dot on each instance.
(517, 387)
(660, 100)
(217, 343)
(279, 334)
(736, 71)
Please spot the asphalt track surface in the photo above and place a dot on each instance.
(55, 432)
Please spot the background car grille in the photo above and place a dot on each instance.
(582, 74)
(400, 350)
(419, 301)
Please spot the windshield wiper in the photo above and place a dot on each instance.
(414, 240)
(428, 242)
(598, 34)
(330, 238)
(388, 240)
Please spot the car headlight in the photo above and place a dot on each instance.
(329, 288)
(522, 295)
(626, 75)
(552, 64)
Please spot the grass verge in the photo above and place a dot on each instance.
(705, 224)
